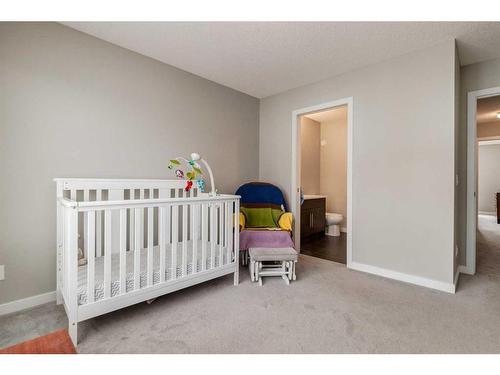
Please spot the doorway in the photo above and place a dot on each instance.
(297, 198)
(483, 189)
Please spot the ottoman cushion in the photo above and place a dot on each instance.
(263, 254)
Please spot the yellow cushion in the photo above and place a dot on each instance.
(242, 221)
(286, 221)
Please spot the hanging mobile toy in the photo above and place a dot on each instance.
(201, 184)
(173, 163)
(194, 174)
(189, 185)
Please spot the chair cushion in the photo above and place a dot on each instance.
(260, 217)
(263, 254)
(265, 238)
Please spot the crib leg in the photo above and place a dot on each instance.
(73, 332)
(285, 277)
(237, 275)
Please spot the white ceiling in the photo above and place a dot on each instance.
(487, 109)
(266, 58)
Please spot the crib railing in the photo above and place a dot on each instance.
(173, 226)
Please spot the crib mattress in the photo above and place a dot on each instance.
(115, 269)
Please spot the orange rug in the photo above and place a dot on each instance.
(57, 342)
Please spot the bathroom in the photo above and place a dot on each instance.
(323, 178)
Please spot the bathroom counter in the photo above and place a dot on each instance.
(314, 197)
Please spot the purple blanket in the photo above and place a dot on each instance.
(264, 238)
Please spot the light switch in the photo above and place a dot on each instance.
(2, 272)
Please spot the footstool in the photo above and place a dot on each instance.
(279, 262)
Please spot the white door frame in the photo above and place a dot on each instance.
(296, 173)
(470, 251)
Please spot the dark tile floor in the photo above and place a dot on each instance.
(326, 247)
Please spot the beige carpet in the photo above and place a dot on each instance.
(330, 309)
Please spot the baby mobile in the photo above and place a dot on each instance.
(194, 175)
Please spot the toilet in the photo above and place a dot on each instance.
(333, 221)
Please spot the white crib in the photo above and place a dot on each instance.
(141, 239)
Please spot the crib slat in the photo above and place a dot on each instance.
(221, 233)
(175, 239)
(107, 253)
(85, 223)
(228, 231)
(131, 221)
(236, 232)
(137, 251)
(84, 233)
(141, 197)
(184, 238)
(98, 230)
(168, 232)
(168, 218)
(113, 195)
(194, 235)
(72, 194)
(162, 241)
(150, 247)
(123, 249)
(90, 236)
(204, 236)
(213, 238)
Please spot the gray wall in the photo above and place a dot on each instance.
(310, 155)
(72, 105)
(488, 177)
(403, 157)
(472, 77)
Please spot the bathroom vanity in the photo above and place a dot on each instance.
(312, 216)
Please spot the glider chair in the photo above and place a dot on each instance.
(264, 220)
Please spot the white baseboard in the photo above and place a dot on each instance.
(417, 280)
(466, 270)
(487, 213)
(26, 303)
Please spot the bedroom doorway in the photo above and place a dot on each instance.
(483, 183)
(338, 246)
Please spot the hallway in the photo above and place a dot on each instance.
(488, 247)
